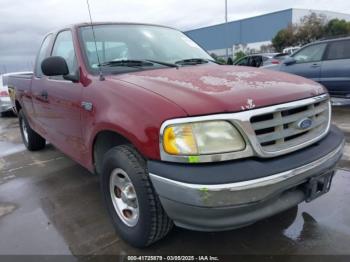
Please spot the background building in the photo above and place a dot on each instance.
(252, 33)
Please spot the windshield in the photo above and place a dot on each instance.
(138, 42)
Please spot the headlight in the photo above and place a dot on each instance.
(202, 138)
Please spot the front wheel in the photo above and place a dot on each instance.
(132, 203)
(31, 139)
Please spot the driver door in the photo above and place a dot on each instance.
(308, 62)
(65, 100)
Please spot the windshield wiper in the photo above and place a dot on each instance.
(127, 63)
(137, 63)
(193, 61)
(162, 63)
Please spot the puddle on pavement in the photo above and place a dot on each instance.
(6, 208)
(7, 148)
(38, 235)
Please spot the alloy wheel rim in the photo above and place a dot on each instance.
(124, 197)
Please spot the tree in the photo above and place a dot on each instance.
(238, 55)
(284, 38)
(336, 27)
(214, 56)
(312, 27)
(218, 59)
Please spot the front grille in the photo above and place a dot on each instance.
(280, 130)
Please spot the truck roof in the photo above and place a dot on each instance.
(76, 25)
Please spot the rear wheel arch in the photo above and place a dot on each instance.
(18, 106)
(31, 139)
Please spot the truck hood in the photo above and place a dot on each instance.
(211, 88)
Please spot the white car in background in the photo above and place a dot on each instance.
(5, 101)
(6, 106)
(290, 50)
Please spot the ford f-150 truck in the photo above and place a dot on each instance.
(175, 137)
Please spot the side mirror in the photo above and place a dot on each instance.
(289, 61)
(57, 66)
(54, 66)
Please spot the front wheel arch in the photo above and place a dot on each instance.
(103, 142)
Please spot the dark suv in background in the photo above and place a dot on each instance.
(327, 62)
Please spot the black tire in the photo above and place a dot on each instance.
(7, 114)
(33, 141)
(14, 111)
(153, 223)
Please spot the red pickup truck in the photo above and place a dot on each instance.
(175, 137)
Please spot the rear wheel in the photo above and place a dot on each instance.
(32, 140)
(132, 203)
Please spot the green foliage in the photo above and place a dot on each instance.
(218, 59)
(221, 60)
(336, 27)
(284, 38)
(214, 56)
(238, 55)
(311, 28)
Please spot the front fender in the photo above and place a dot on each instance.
(128, 110)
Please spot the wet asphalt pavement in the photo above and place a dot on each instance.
(50, 205)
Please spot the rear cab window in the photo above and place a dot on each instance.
(43, 53)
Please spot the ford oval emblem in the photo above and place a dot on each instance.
(305, 123)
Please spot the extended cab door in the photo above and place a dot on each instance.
(38, 90)
(335, 72)
(65, 100)
(308, 62)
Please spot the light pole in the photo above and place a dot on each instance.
(226, 30)
(225, 11)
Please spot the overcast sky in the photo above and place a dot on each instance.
(24, 22)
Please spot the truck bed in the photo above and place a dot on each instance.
(18, 83)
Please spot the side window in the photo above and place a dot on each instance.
(243, 61)
(338, 50)
(259, 61)
(64, 47)
(311, 53)
(43, 53)
(255, 61)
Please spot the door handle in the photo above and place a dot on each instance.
(44, 94)
(315, 65)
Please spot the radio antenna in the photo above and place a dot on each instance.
(94, 37)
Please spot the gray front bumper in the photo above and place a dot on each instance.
(232, 205)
